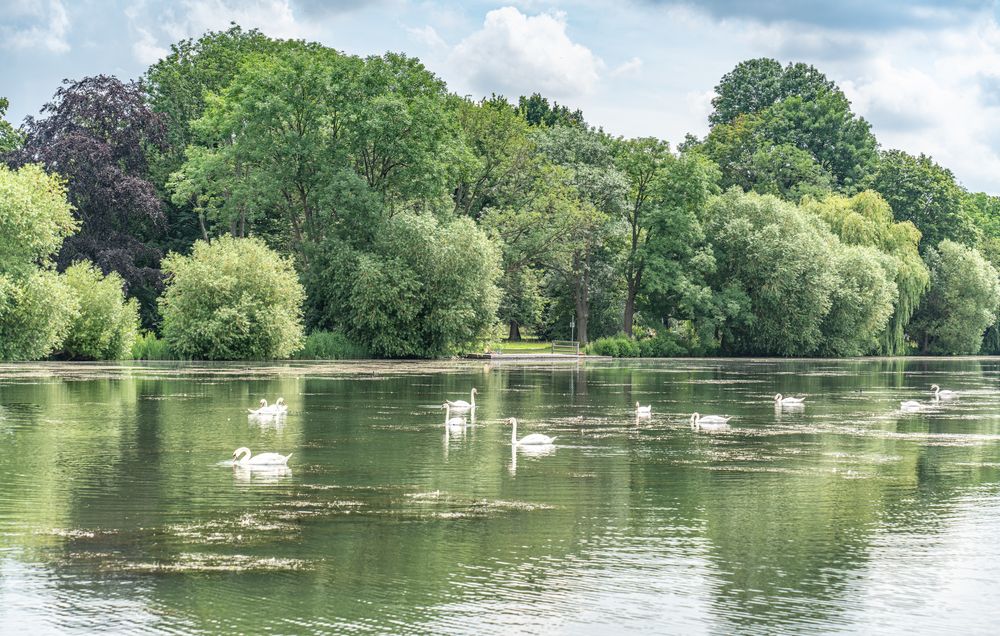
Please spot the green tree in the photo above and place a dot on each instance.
(10, 138)
(585, 156)
(422, 289)
(861, 303)
(866, 220)
(921, 191)
(35, 218)
(537, 111)
(781, 261)
(232, 299)
(107, 324)
(756, 84)
(961, 303)
(36, 306)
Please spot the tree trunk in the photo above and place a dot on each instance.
(629, 316)
(582, 303)
(515, 332)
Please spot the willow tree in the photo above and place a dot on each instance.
(866, 220)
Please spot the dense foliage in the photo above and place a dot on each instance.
(107, 323)
(36, 306)
(232, 299)
(421, 223)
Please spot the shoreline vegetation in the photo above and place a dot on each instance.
(250, 198)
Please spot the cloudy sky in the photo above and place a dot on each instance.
(925, 73)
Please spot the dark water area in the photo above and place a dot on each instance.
(120, 510)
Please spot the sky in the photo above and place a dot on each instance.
(924, 73)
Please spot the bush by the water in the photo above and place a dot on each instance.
(619, 346)
(35, 314)
(148, 346)
(107, 324)
(232, 299)
(331, 345)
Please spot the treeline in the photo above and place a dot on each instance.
(248, 191)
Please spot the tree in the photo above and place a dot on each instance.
(961, 303)
(866, 220)
(779, 260)
(423, 288)
(537, 112)
(585, 156)
(10, 138)
(661, 201)
(503, 164)
(107, 324)
(35, 218)
(232, 299)
(921, 191)
(861, 303)
(95, 133)
(760, 106)
(35, 304)
(757, 84)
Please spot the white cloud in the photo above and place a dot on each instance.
(516, 54)
(146, 50)
(427, 36)
(631, 67)
(274, 17)
(45, 26)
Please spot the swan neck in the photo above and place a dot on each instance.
(513, 431)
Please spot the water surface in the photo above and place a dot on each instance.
(119, 513)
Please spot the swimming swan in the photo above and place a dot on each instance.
(911, 405)
(534, 439)
(788, 401)
(943, 395)
(450, 421)
(462, 405)
(278, 408)
(242, 457)
(709, 422)
(643, 411)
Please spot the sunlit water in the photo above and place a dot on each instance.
(120, 513)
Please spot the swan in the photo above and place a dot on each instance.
(280, 405)
(242, 457)
(449, 420)
(780, 400)
(462, 405)
(535, 439)
(943, 395)
(274, 409)
(709, 422)
(643, 411)
(911, 405)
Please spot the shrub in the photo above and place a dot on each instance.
(619, 346)
(663, 345)
(106, 325)
(148, 346)
(232, 299)
(35, 314)
(331, 345)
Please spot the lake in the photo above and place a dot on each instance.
(120, 510)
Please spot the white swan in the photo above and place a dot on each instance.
(911, 405)
(449, 421)
(462, 405)
(528, 440)
(280, 405)
(943, 395)
(780, 400)
(643, 411)
(242, 457)
(709, 422)
(275, 409)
